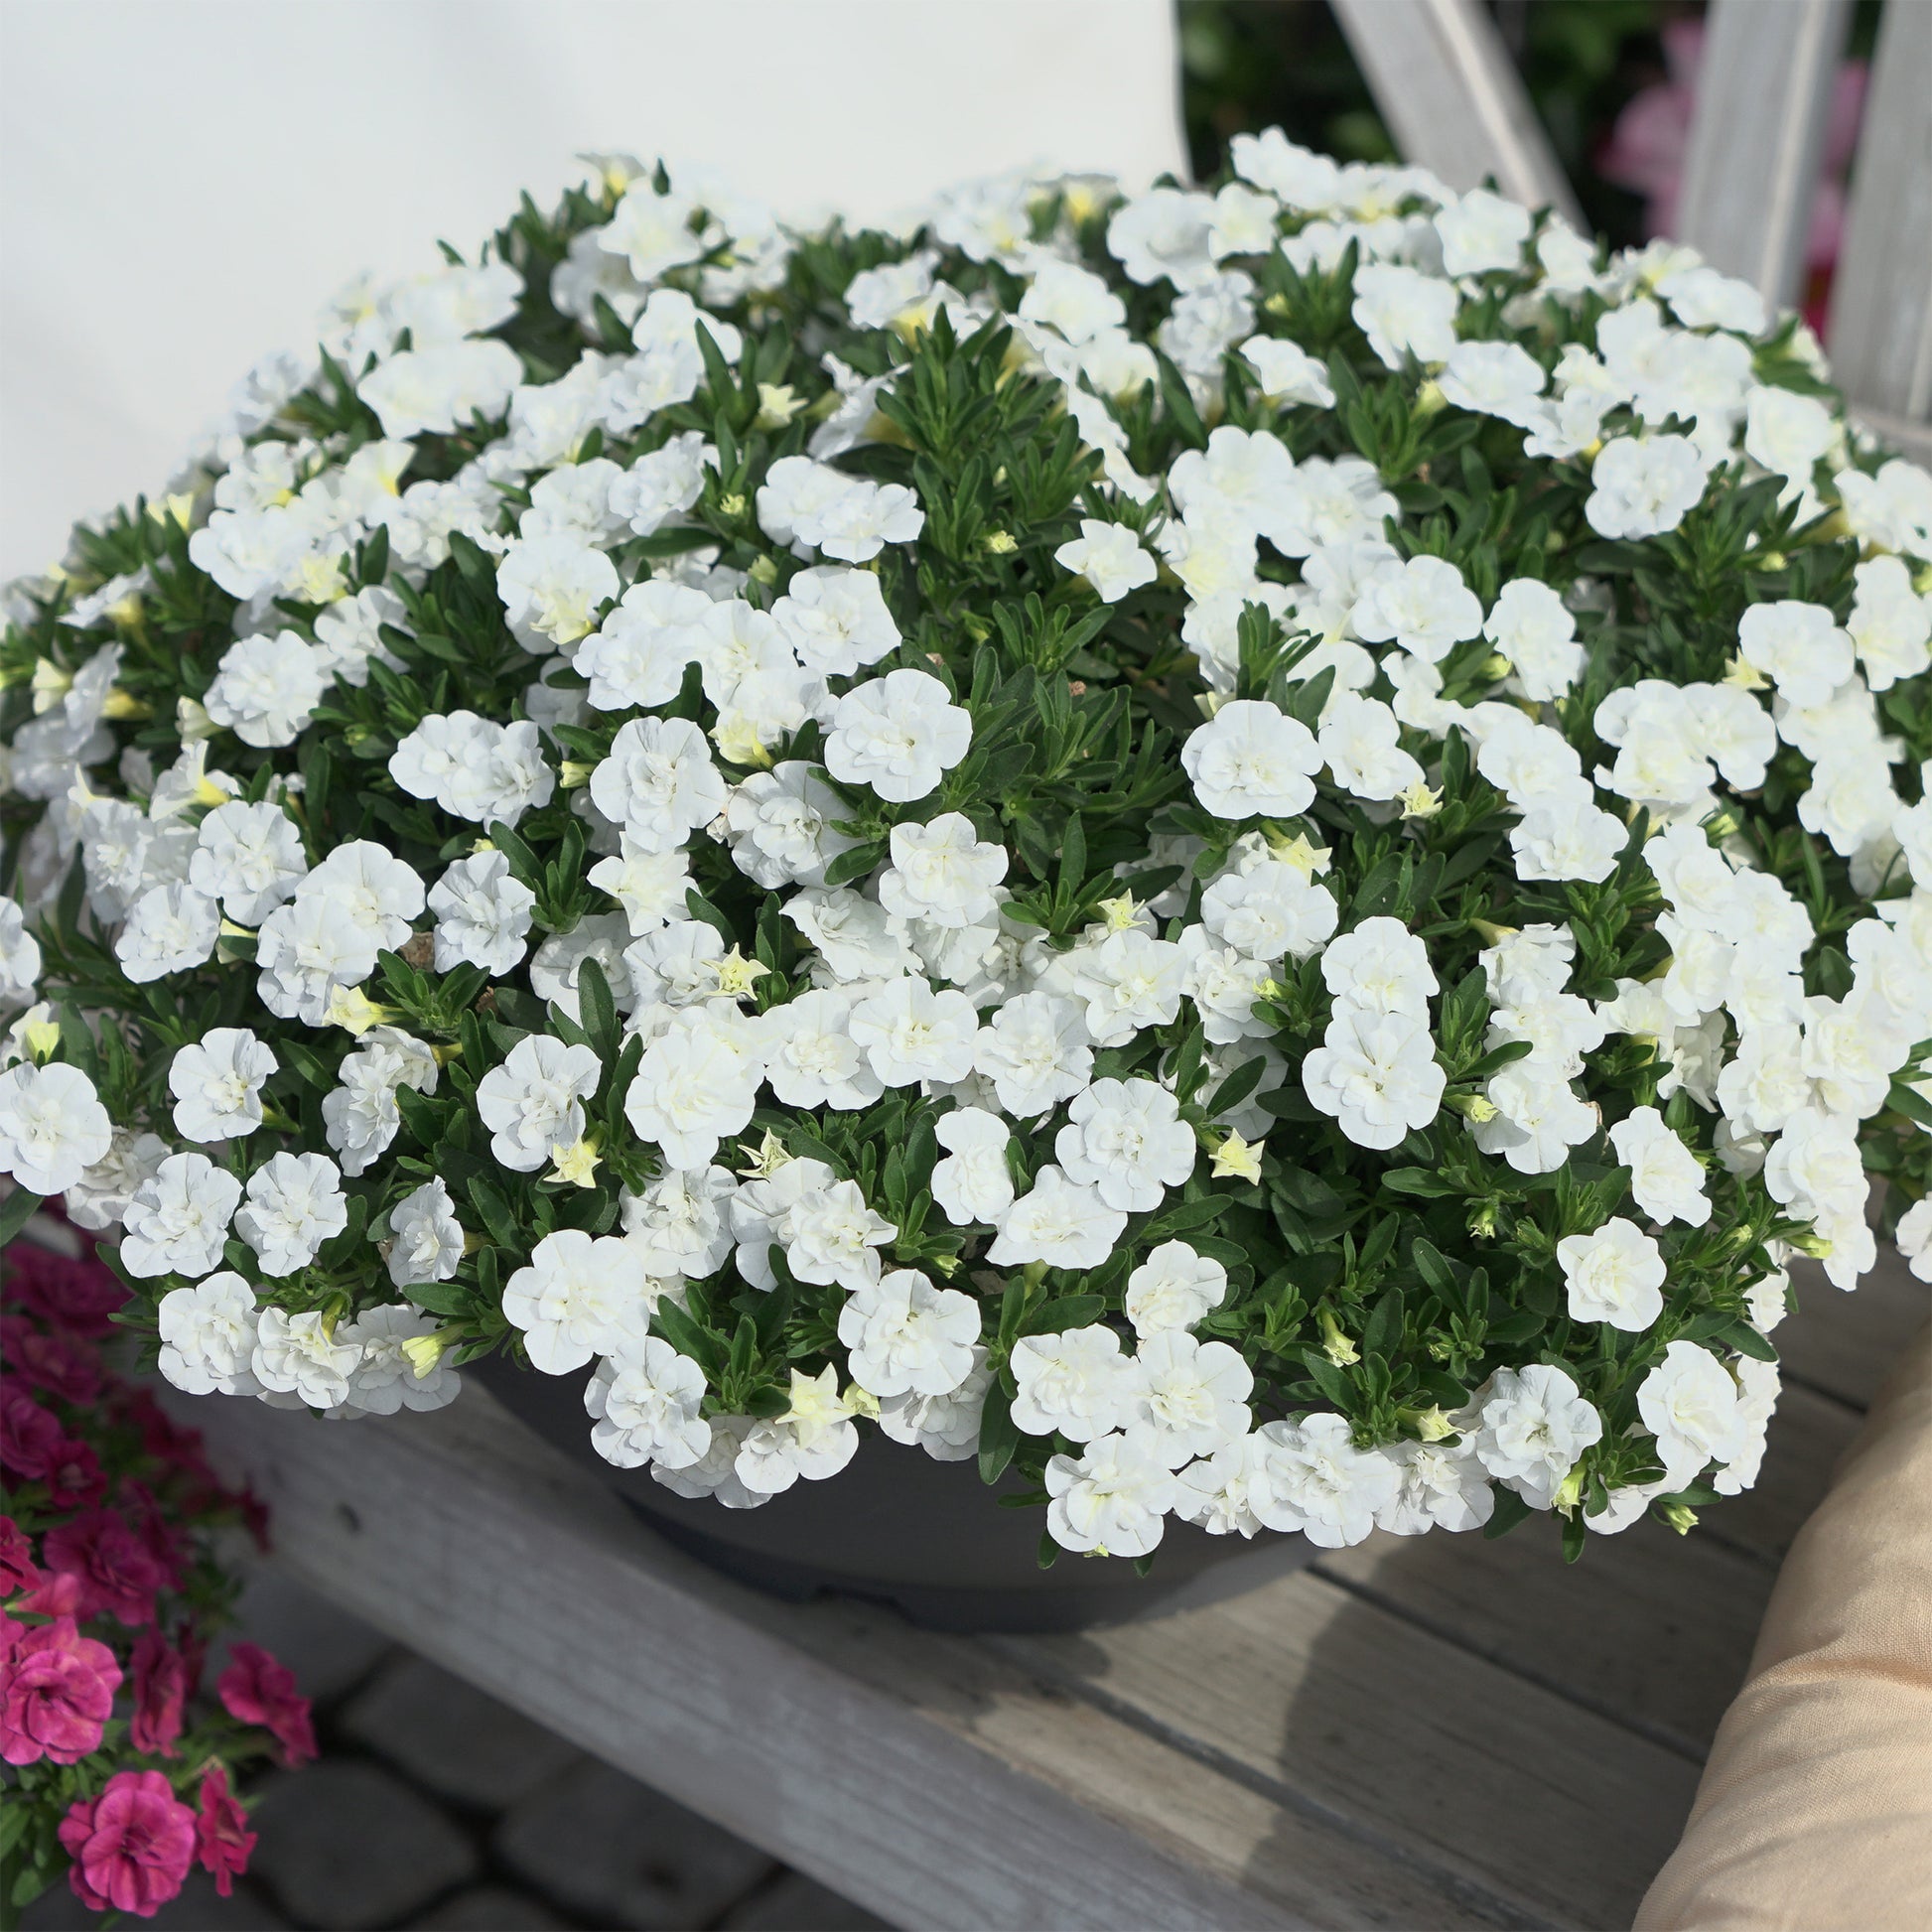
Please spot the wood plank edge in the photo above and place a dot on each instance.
(1002, 1833)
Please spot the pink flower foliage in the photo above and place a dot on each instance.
(109, 1572)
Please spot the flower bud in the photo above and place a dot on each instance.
(778, 403)
(423, 1353)
(354, 1011)
(51, 684)
(40, 1035)
(576, 1165)
(1238, 1160)
(1334, 1344)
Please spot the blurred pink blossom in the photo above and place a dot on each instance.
(1646, 149)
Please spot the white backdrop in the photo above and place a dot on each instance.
(183, 181)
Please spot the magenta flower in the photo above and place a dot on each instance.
(30, 1435)
(64, 1366)
(131, 1847)
(117, 1572)
(159, 1694)
(56, 1691)
(18, 1569)
(77, 1293)
(75, 1478)
(257, 1689)
(221, 1836)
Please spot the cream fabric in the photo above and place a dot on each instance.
(182, 182)
(1815, 1811)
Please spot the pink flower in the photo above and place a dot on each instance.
(159, 1694)
(54, 1596)
(34, 1446)
(222, 1833)
(131, 1847)
(257, 1689)
(161, 1537)
(118, 1573)
(1650, 142)
(56, 1689)
(63, 1365)
(75, 1478)
(17, 1566)
(30, 1435)
(78, 1295)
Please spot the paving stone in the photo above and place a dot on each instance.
(454, 1739)
(615, 1852)
(329, 1650)
(796, 1904)
(199, 1908)
(491, 1908)
(346, 1846)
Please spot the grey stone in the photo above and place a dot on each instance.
(329, 1650)
(199, 1908)
(796, 1904)
(454, 1739)
(346, 1846)
(615, 1852)
(490, 1908)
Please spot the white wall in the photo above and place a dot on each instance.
(183, 182)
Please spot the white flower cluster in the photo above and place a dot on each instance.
(885, 850)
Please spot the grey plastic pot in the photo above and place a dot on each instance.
(898, 1528)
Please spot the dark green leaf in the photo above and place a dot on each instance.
(15, 1211)
(999, 1434)
(1510, 1510)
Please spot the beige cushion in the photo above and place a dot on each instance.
(1815, 1811)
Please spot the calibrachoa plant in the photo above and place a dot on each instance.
(111, 1584)
(1258, 854)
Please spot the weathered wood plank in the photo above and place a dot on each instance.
(1847, 1344)
(1671, 1620)
(1649, 1629)
(930, 1778)
(1452, 97)
(1319, 1692)
(1764, 95)
(1881, 294)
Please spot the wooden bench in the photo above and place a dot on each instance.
(1440, 1732)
